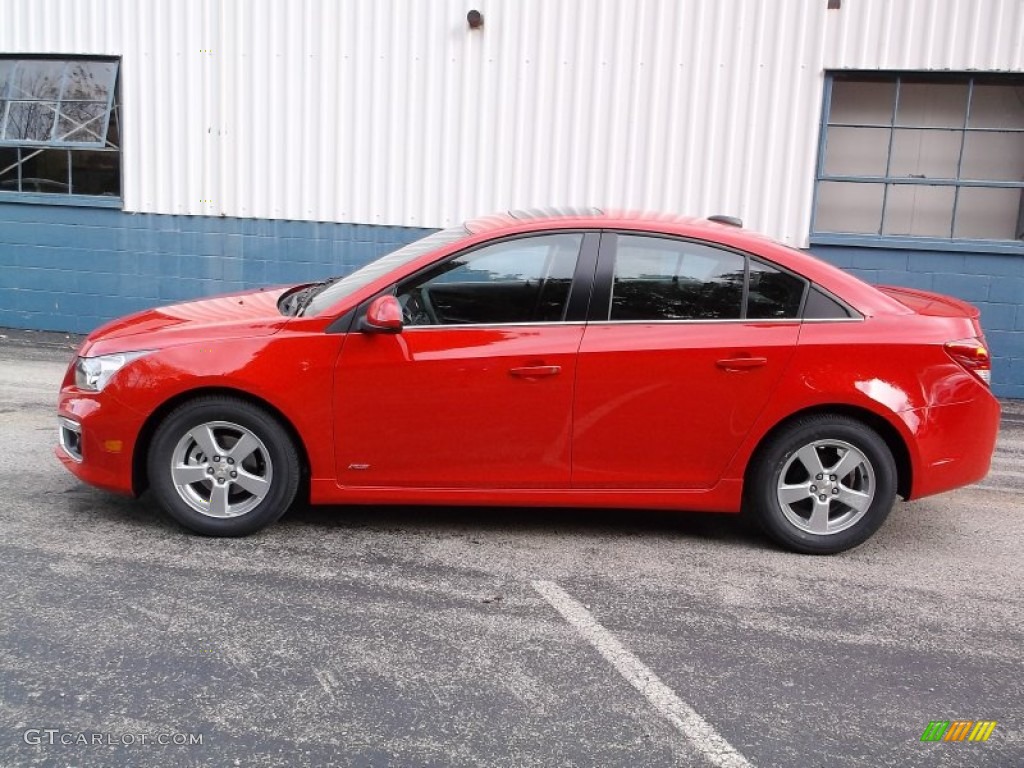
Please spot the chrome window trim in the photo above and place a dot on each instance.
(732, 321)
(695, 321)
(473, 326)
(858, 319)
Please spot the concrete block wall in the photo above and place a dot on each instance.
(993, 282)
(74, 268)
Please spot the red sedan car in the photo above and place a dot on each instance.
(561, 358)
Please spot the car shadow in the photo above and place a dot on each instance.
(473, 523)
(532, 521)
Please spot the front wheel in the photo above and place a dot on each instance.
(823, 485)
(223, 467)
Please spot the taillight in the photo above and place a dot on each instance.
(972, 354)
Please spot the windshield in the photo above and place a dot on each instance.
(332, 291)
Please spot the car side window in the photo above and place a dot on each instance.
(821, 306)
(524, 280)
(773, 293)
(661, 279)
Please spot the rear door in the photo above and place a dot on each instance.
(686, 343)
(476, 391)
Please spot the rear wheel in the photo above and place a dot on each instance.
(824, 484)
(223, 467)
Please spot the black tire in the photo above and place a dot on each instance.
(818, 512)
(229, 494)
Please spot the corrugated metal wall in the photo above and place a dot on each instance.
(394, 112)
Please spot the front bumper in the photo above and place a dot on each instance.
(96, 439)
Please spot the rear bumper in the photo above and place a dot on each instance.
(955, 444)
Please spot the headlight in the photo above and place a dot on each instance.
(93, 373)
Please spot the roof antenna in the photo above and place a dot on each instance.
(732, 221)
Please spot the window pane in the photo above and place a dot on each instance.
(925, 154)
(773, 293)
(8, 169)
(856, 151)
(862, 103)
(517, 281)
(89, 81)
(993, 156)
(849, 207)
(941, 105)
(36, 80)
(919, 210)
(997, 106)
(822, 307)
(660, 279)
(988, 214)
(30, 120)
(44, 171)
(81, 121)
(95, 172)
(6, 71)
(113, 137)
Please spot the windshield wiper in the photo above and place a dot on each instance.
(297, 301)
(311, 292)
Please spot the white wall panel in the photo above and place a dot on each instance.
(394, 112)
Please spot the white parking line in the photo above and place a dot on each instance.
(704, 738)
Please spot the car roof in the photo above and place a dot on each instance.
(561, 217)
(558, 214)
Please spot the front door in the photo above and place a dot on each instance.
(476, 391)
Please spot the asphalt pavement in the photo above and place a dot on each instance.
(399, 636)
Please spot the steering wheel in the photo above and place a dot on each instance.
(416, 307)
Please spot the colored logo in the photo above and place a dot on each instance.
(958, 730)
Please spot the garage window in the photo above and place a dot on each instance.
(922, 157)
(59, 129)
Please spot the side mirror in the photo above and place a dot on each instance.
(384, 315)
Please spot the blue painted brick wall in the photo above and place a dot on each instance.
(71, 269)
(992, 282)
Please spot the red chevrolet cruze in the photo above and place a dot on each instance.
(567, 358)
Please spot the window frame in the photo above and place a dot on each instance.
(113, 112)
(881, 240)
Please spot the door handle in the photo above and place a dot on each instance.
(535, 371)
(741, 363)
